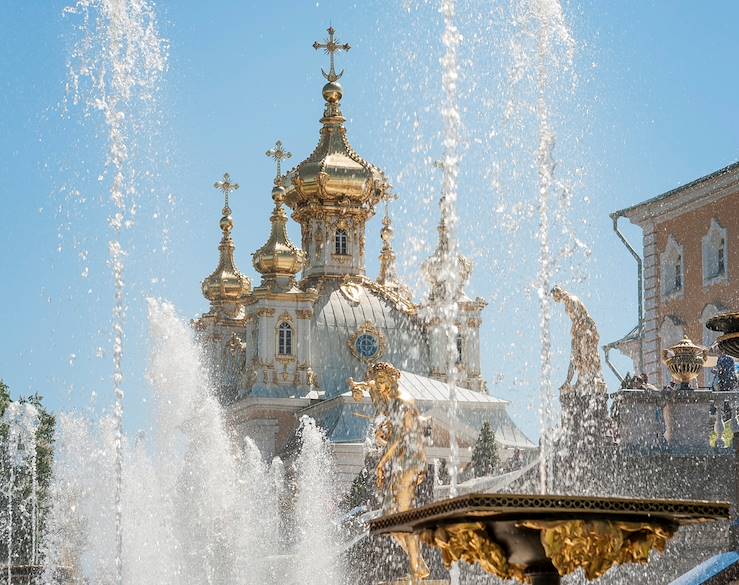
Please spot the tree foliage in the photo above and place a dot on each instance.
(17, 480)
(485, 454)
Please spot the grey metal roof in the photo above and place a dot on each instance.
(347, 421)
(336, 320)
(668, 194)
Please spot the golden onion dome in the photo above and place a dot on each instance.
(334, 171)
(279, 256)
(226, 283)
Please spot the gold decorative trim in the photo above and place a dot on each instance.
(304, 313)
(367, 328)
(265, 312)
(597, 545)
(285, 318)
(471, 543)
(351, 291)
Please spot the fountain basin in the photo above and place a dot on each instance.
(536, 539)
(728, 325)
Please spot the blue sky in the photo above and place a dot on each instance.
(654, 105)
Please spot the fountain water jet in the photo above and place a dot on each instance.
(119, 61)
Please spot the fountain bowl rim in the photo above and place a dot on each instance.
(481, 507)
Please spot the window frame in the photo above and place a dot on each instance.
(284, 339)
(341, 242)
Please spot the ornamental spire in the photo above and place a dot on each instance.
(279, 260)
(331, 46)
(278, 154)
(226, 283)
(388, 267)
(446, 271)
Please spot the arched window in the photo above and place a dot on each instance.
(285, 339)
(342, 242)
(714, 254)
(672, 269)
(460, 348)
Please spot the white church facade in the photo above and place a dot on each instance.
(285, 347)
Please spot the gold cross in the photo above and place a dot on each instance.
(227, 187)
(331, 46)
(279, 154)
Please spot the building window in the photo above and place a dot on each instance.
(342, 242)
(678, 273)
(714, 254)
(460, 348)
(285, 339)
(672, 269)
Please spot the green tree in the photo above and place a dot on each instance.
(485, 453)
(23, 480)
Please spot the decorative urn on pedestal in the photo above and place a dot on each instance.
(685, 361)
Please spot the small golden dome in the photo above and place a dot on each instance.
(226, 283)
(279, 256)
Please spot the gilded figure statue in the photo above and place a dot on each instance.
(400, 436)
(585, 357)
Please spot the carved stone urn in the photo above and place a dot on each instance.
(536, 539)
(685, 360)
(728, 324)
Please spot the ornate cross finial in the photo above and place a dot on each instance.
(389, 196)
(438, 164)
(331, 46)
(227, 187)
(278, 153)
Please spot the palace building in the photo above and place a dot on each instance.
(285, 346)
(688, 268)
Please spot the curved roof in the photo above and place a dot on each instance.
(338, 317)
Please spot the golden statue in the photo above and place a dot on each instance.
(400, 435)
(585, 358)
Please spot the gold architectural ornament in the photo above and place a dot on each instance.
(234, 345)
(334, 180)
(367, 343)
(548, 535)
(285, 318)
(226, 283)
(685, 360)
(388, 276)
(470, 542)
(304, 313)
(330, 47)
(585, 356)
(279, 260)
(351, 291)
(278, 153)
(597, 545)
(400, 434)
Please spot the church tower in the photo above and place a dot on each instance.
(333, 193)
(448, 272)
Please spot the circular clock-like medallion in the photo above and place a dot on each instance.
(367, 345)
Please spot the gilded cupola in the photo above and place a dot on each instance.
(226, 286)
(334, 173)
(279, 260)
